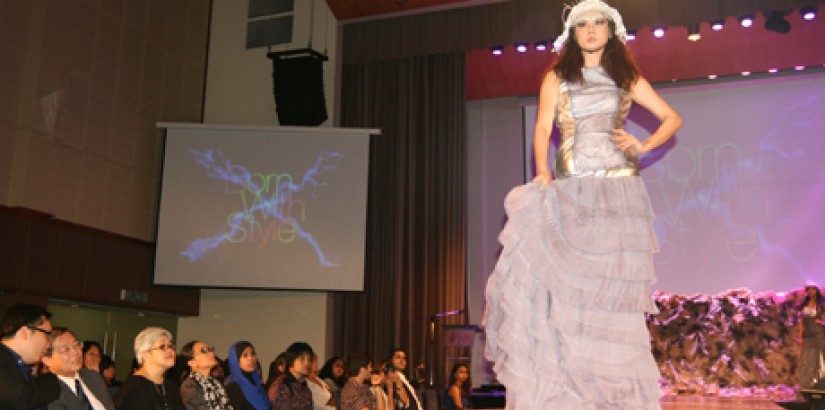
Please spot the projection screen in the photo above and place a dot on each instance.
(263, 207)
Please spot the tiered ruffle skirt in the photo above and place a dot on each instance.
(566, 303)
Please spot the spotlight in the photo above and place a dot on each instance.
(521, 47)
(746, 73)
(717, 25)
(746, 20)
(631, 35)
(659, 32)
(541, 45)
(808, 12)
(497, 50)
(799, 68)
(712, 77)
(773, 70)
(775, 21)
(693, 32)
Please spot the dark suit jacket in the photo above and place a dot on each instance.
(18, 394)
(94, 381)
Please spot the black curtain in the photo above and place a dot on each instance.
(415, 257)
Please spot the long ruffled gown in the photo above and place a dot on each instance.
(565, 316)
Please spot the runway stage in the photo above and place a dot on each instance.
(714, 403)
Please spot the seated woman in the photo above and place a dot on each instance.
(199, 390)
(334, 374)
(458, 391)
(147, 389)
(92, 353)
(107, 370)
(276, 368)
(244, 383)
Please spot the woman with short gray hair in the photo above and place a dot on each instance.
(147, 388)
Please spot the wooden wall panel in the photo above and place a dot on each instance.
(49, 258)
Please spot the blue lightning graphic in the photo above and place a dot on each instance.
(218, 167)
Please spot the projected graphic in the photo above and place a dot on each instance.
(268, 211)
(263, 207)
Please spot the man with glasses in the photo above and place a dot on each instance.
(24, 332)
(81, 389)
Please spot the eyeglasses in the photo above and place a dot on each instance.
(207, 349)
(44, 331)
(64, 350)
(165, 347)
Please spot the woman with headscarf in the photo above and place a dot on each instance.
(199, 390)
(244, 382)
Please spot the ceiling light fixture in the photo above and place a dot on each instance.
(659, 32)
(693, 32)
(746, 20)
(808, 13)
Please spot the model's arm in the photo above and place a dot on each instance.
(643, 94)
(548, 94)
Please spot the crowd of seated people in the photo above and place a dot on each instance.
(78, 375)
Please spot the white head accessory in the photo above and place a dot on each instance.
(585, 6)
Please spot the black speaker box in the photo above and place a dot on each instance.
(298, 78)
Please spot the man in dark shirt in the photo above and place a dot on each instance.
(290, 390)
(24, 332)
(356, 395)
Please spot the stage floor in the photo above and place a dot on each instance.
(713, 403)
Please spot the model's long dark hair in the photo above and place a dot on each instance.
(616, 60)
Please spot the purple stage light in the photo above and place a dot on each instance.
(521, 47)
(773, 70)
(717, 25)
(497, 50)
(746, 20)
(659, 32)
(808, 13)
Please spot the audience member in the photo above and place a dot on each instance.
(147, 388)
(290, 390)
(379, 388)
(356, 394)
(458, 391)
(199, 390)
(406, 397)
(276, 368)
(79, 388)
(219, 371)
(92, 353)
(322, 397)
(334, 374)
(244, 382)
(107, 370)
(24, 338)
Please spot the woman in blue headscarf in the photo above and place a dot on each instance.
(244, 386)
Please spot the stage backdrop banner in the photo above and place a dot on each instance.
(263, 207)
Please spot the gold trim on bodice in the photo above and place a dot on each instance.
(565, 166)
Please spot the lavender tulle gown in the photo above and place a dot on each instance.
(565, 319)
